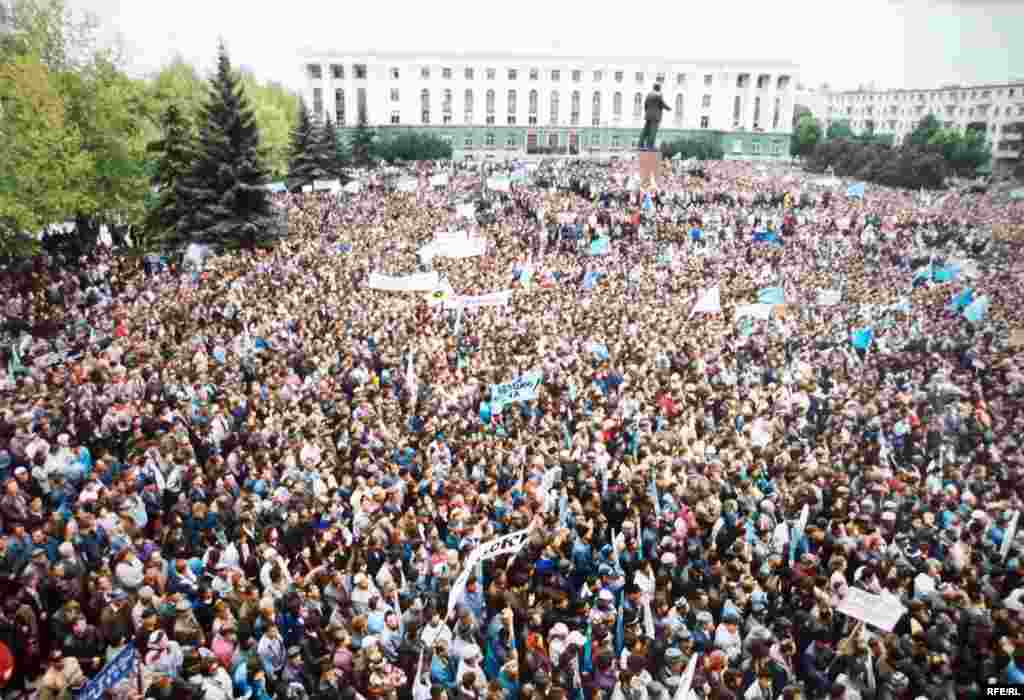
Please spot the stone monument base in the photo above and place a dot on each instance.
(648, 167)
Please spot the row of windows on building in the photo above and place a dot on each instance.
(555, 140)
(743, 80)
(951, 95)
(534, 99)
(950, 110)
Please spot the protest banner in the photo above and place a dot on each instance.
(466, 211)
(119, 669)
(878, 611)
(507, 544)
(686, 682)
(522, 388)
(472, 302)
(499, 184)
(439, 180)
(1009, 535)
(418, 282)
(758, 311)
(468, 248)
(829, 297)
(408, 185)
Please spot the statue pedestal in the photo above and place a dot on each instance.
(648, 167)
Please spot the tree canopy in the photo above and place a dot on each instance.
(227, 202)
(411, 146)
(692, 148)
(806, 136)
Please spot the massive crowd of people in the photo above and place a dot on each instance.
(259, 477)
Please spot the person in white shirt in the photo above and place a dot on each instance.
(727, 636)
(272, 652)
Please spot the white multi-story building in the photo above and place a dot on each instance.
(996, 109)
(529, 102)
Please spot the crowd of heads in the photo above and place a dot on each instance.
(263, 478)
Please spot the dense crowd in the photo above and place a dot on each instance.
(263, 478)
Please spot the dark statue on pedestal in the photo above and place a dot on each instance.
(654, 105)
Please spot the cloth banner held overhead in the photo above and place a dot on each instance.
(439, 180)
(600, 246)
(878, 611)
(759, 311)
(772, 295)
(469, 248)
(472, 302)
(499, 184)
(856, 190)
(686, 682)
(418, 282)
(507, 544)
(120, 667)
(710, 302)
(466, 211)
(522, 388)
(408, 185)
(829, 297)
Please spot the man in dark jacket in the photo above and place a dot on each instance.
(653, 107)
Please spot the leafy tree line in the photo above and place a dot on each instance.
(692, 148)
(926, 158)
(77, 134)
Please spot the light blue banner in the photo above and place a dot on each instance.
(600, 246)
(771, 295)
(522, 388)
(855, 190)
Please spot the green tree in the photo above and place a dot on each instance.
(330, 154)
(177, 83)
(965, 152)
(172, 157)
(42, 160)
(923, 132)
(412, 146)
(276, 110)
(839, 130)
(806, 136)
(224, 194)
(304, 163)
(362, 141)
(110, 111)
(798, 114)
(701, 149)
(100, 101)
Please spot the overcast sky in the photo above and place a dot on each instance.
(916, 43)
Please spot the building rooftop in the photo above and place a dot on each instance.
(944, 88)
(428, 54)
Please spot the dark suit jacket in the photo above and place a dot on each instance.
(654, 106)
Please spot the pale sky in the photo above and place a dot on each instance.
(896, 43)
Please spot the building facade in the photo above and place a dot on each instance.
(996, 109)
(501, 103)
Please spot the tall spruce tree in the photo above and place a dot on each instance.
(329, 151)
(173, 154)
(304, 162)
(362, 140)
(224, 195)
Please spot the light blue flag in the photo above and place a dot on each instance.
(771, 295)
(862, 338)
(648, 202)
(600, 351)
(962, 300)
(855, 190)
(600, 246)
(977, 310)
